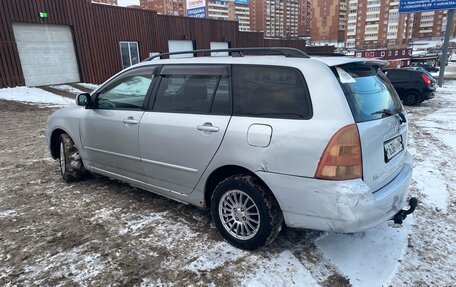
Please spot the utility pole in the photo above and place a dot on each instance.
(448, 32)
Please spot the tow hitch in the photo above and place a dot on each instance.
(401, 215)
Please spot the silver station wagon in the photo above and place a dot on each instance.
(261, 141)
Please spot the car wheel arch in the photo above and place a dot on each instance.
(224, 172)
(55, 142)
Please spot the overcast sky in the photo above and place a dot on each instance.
(127, 2)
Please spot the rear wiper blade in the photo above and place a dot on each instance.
(386, 112)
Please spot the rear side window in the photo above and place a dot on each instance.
(273, 92)
(368, 91)
(399, 75)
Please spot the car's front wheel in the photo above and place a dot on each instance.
(245, 213)
(71, 167)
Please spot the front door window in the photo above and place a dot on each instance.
(127, 92)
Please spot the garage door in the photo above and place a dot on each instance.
(219, 45)
(179, 46)
(47, 54)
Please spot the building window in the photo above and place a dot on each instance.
(403, 53)
(396, 53)
(382, 54)
(129, 52)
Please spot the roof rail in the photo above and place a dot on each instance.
(325, 54)
(285, 51)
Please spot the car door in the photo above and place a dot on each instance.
(180, 135)
(109, 129)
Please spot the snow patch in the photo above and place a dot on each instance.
(75, 264)
(216, 256)
(368, 258)
(282, 270)
(134, 226)
(34, 96)
(430, 181)
(154, 283)
(7, 213)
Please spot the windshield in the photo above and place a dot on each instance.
(368, 91)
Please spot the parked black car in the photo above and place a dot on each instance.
(413, 87)
(429, 68)
(419, 68)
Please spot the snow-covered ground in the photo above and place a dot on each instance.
(34, 96)
(123, 228)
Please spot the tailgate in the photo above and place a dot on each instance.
(381, 121)
(383, 145)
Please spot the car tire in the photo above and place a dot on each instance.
(71, 166)
(411, 98)
(245, 213)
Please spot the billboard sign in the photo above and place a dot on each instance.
(195, 4)
(197, 12)
(411, 6)
(196, 8)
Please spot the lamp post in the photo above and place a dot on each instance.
(443, 59)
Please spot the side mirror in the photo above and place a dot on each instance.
(84, 100)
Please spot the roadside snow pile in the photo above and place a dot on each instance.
(369, 258)
(34, 96)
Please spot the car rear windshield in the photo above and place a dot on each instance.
(369, 93)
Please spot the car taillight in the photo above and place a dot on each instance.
(341, 159)
(427, 80)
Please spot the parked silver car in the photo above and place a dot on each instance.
(312, 142)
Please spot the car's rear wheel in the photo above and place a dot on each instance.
(245, 213)
(411, 98)
(71, 167)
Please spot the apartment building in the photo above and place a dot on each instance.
(376, 24)
(167, 7)
(279, 18)
(329, 19)
(231, 10)
(304, 18)
(110, 2)
(431, 24)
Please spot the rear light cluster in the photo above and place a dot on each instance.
(427, 80)
(341, 159)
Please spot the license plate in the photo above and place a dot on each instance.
(393, 147)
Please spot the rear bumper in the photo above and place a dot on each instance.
(340, 206)
(427, 96)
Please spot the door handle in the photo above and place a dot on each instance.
(130, 121)
(207, 127)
